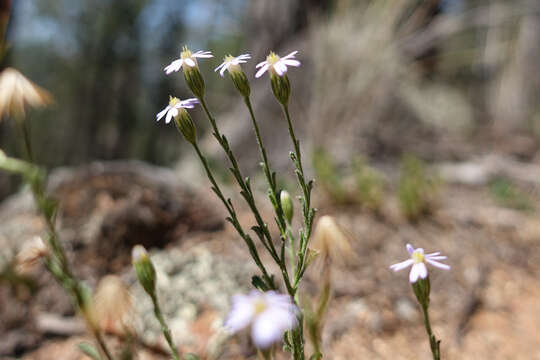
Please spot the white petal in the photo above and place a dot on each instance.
(417, 270)
(290, 55)
(291, 62)
(433, 254)
(220, 66)
(269, 327)
(162, 113)
(222, 72)
(438, 264)
(168, 117)
(202, 54)
(410, 248)
(189, 62)
(402, 265)
(262, 70)
(280, 68)
(241, 314)
(261, 64)
(436, 257)
(243, 57)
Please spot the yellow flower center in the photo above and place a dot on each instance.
(173, 100)
(186, 53)
(228, 58)
(418, 257)
(259, 306)
(272, 58)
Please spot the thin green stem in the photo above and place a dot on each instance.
(261, 230)
(433, 342)
(164, 328)
(233, 218)
(23, 128)
(102, 345)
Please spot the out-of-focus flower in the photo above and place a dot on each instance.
(16, 91)
(331, 241)
(276, 64)
(113, 305)
(268, 314)
(188, 58)
(171, 111)
(232, 63)
(31, 253)
(418, 261)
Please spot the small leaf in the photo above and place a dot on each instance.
(89, 350)
(257, 282)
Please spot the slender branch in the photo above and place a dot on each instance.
(433, 342)
(164, 328)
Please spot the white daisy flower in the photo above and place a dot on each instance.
(172, 109)
(232, 63)
(418, 261)
(188, 58)
(268, 315)
(276, 64)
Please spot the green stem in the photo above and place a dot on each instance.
(23, 128)
(263, 233)
(233, 218)
(433, 342)
(102, 345)
(164, 328)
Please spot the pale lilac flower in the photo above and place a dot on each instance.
(268, 314)
(230, 62)
(276, 64)
(188, 58)
(418, 261)
(172, 109)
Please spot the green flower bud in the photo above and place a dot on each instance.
(185, 125)
(192, 74)
(421, 289)
(287, 205)
(146, 273)
(280, 87)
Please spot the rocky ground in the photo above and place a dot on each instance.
(485, 307)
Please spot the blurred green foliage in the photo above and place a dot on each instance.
(417, 189)
(507, 194)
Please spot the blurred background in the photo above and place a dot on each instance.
(407, 110)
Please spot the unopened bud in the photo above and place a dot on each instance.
(146, 273)
(192, 74)
(287, 205)
(30, 255)
(185, 125)
(280, 87)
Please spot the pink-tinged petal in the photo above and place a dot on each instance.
(438, 264)
(410, 249)
(162, 113)
(280, 68)
(189, 103)
(261, 64)
(422, 270)
(174, 66)
(244, 57)
(416, 271)
(290, 62)
(262, 70)
(291, 55)
(189, 62)
(402, 265)
(269, 326)
(433, 254)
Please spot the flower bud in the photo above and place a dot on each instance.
(192, 74)
(287, 205)
(280, 87)
(144, 269)
(30, 255)
(185, 125)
